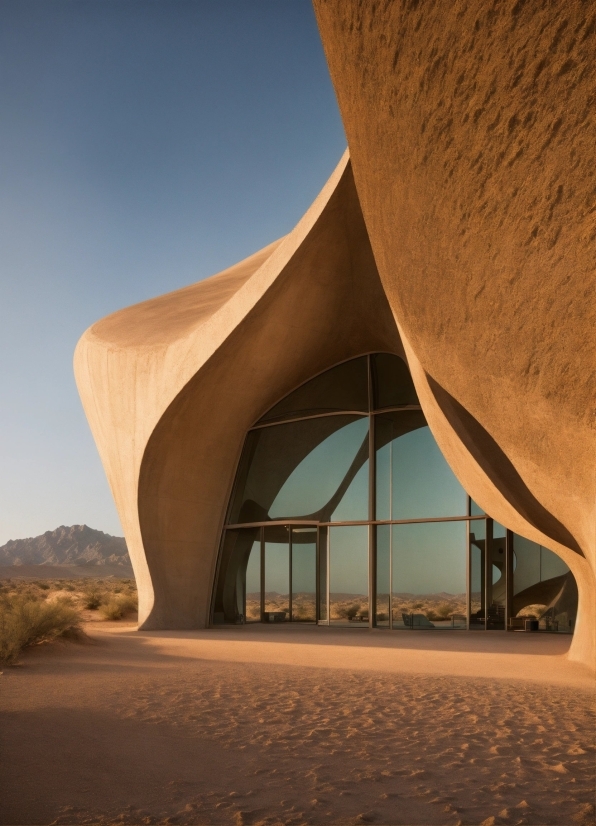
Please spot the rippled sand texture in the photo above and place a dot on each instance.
(124, 732)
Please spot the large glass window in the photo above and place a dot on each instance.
(383, 589)
(231, 599)
(304, 574)
(304, 470)
(496, 578)
(544, 589)
(348, 575)
(253, 584)
(277, 573)
(429, 575)
(413, 479)
(345, 512)
(344, 387)
(477, 575)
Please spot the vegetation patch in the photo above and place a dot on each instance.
(118, 607)
(25, 621)
(34, 611)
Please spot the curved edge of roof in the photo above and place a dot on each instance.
(167, 318)
(139, 358)
(170, 316)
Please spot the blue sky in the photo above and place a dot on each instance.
(144, 145)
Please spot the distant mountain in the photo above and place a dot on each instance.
(77, 545)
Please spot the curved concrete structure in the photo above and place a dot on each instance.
(473, 183)
(472, 136)
(170, 387)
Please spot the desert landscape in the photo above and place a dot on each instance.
(284, 723)
(442, 610)
(289, 724)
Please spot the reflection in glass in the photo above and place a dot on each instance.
(413, 479)
(252, 611)
(344, 387)
(477, 592)
(304, 574)
(323, 565)
(277, 573)
(496, 591)
(429, 575)
(392, 382)
(230, 595)
(348, 575)
(303, 470)
(475, 510)
(383, 576)
(544, 589)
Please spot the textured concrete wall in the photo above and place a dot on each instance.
(471, 131)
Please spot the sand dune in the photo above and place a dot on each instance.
(298, 725)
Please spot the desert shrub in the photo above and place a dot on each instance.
(43, 585)
(29, 593)
(25, 622)
(93, 596)
(68, 587)
(111, 610)
(118, 607)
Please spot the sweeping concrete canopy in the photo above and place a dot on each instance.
(171, 386)
(471, 131)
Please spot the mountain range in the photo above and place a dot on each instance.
(74, 545)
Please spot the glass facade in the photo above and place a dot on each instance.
(428, 575)
(348, 574)
(544, 590)
(345, 513)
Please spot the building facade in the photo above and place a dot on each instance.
(446, 269)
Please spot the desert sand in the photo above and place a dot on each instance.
(292, 725)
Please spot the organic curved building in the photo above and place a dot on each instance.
(471, 137)
(288, 440)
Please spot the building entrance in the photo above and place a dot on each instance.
(289, 560)
(344, 512)
(279, 583)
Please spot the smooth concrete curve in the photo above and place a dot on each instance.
(471, 134)
(170, 387)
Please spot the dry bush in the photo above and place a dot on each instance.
(93, 596)
(25, 622)
(119, 606)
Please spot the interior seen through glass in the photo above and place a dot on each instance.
(352, 446)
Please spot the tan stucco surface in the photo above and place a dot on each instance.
(170, 387)
(471, 131)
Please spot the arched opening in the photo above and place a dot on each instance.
(344, 512)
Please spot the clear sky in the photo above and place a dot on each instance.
(144, 145)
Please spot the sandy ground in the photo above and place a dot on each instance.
(293, 725)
